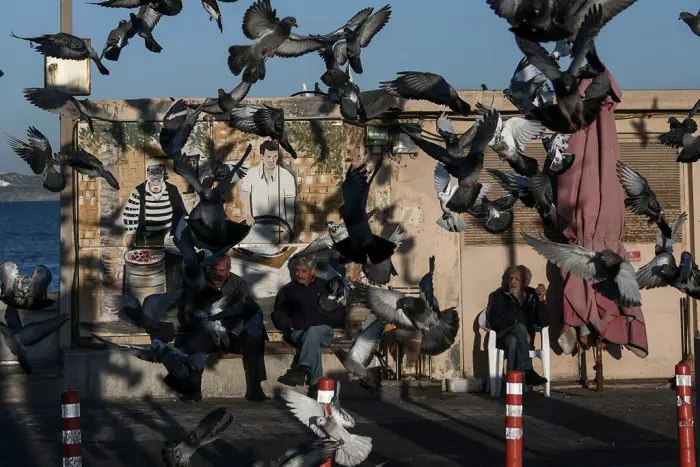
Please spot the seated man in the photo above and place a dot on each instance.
(303, 323)
(515, 311)
(246, 330)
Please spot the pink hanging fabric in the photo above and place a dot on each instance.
(591, 197)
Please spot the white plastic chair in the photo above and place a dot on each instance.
(496, 357)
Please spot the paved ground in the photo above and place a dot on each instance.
(574, 428)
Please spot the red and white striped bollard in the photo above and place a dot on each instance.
(324, 395)
(514, 419)
(686, 430)
(70, 410)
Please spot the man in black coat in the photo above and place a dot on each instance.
(246, 330)
(516, 311)
(303, 323)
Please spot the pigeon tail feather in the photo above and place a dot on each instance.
(440, 337)
(380, 250)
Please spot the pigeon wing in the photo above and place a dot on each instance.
(647, 276)
(626, 280)
(444, 124)
(640, 197)
(40, 281)
(538, 57)
(9, 274)
(519, 131)
(54, 101)
(296, 46)
(304, 409)
(208, 423)
(156, 304)
(366, 343)
(373, 25)
(383, 304)
(575, 259)
(259, 19)
(441, 178)
(32, 333)
(149, 16)
(37, 152)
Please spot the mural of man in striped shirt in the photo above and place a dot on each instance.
(151, 209)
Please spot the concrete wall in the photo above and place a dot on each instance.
(465, 275)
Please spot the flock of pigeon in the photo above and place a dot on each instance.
(547, 97)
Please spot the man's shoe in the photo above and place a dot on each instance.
(256, 395)
(533, 379)
(292, 378)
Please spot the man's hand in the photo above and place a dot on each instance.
(541, 291)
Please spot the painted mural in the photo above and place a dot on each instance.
(124, 236)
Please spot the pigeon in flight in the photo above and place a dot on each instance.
(117, 39)
(25, 292)
(147, 315)
(465, 169)
(39, 151)
(336, 232)
(60, 103)
(263, 121)
(361, 245)
(439, 328)
(178, 364)
(349, 49)
(211, 229)
(38, 154)
(361, 354)
(616, 276)
(553, 20)
(178, 124)
(143, 23)
(380, 273)
(221, 105)
(312, 453)
(571, 112)
(353, 449)
(494, 216)
(164, 7)
(536, 192)
(528, 87)
(693, 21)
(454, 143)
(557, 161)
(442, 182)
(272, 36)
(176, 454)
(662, 270)
(212, 8)
(510, 138)
(18, 336)
(680, 134)
(65, 46)
(641, 199)
(426, 86)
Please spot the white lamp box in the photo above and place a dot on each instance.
(70, 76)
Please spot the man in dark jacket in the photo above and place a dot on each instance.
(515, 312)
(303, 323)
(246, 329)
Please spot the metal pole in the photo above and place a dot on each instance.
(514, 419)
(66, 204)
(70, 414)
(686, 436)
(326, 391)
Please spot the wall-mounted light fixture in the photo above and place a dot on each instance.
(402, 144)
(377, 139)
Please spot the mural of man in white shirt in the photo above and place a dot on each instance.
(268, 189)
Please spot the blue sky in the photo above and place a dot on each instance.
(646, 47)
